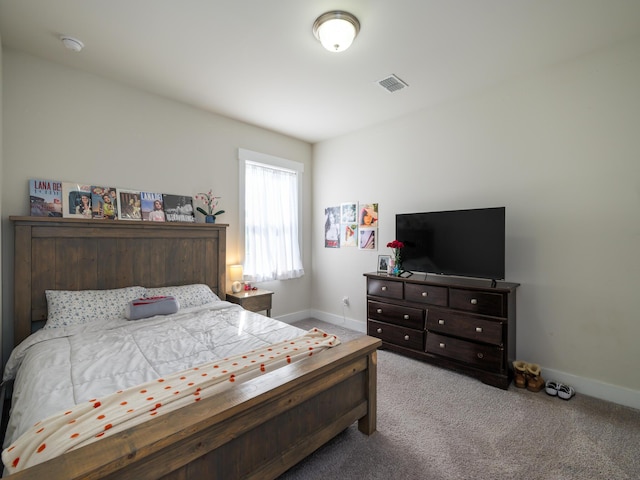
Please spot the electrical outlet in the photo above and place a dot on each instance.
(345, 301)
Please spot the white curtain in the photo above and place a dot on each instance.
(272, 250)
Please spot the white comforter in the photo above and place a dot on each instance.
(59, 368)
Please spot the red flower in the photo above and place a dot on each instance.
(395, 244)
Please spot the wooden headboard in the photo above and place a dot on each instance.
(78, 254)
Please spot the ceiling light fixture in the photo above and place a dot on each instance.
(336, 30)
(72, 43)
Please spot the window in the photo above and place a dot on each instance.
(270, 198)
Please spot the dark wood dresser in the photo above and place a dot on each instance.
(462, 324)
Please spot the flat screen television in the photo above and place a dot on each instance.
(466, 243)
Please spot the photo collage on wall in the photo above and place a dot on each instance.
(351, 224)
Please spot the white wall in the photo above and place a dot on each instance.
(60, 123)
(560, 150)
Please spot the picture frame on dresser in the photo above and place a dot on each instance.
(383, 263)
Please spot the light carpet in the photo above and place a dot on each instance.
(437, 424)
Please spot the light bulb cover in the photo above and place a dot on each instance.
(336, 30)
(71, 43)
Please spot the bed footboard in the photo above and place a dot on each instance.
(257, 430)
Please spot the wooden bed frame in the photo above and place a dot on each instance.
(257, 430)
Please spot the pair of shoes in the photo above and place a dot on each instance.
(520, 373)
(527, 375)
(554, 388)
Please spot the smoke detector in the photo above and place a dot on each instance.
(392, 83)
(71, 43)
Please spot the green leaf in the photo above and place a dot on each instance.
(201, 211)
(218, 212)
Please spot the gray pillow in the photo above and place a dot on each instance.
(150, 307)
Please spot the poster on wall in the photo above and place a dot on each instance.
(367, 238)
(368, 215)
(332, 227)
(348, 235)
(348, 212)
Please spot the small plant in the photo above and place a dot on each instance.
(210, 201)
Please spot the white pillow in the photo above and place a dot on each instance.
(187, 295)
(77, 307)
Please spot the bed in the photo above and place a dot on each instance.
(257, 429)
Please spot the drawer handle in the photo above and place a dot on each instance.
(441, 322)
(384, 289)
(425, 294)
(480, 355)
(379, 330)
(474, 301)
(406, 317)
(406, 337)
(379, 310)
(479, 329)
(442, 345)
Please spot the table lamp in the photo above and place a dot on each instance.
(235, 273)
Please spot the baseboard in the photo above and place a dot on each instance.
(594, 388)
(357, 325)
(295, 316)
(350, 323)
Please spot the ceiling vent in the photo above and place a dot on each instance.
(392, 83)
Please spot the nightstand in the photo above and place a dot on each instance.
(253, 300)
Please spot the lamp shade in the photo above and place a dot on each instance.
(235, 273)
(336, 30)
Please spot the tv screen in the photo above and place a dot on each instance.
(468, 243)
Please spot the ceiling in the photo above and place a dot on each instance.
(257, 60)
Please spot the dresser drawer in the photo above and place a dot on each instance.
(398, 335)
(486, 357)
(416, 292)
(464, 325)
(396, 314)
(384, 288)
(485, 303)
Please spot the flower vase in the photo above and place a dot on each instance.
(397, 266)
(210, 219)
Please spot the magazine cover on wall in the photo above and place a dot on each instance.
(348, 212)
(332, 227)
(152, 207)
(368, 215)
(178, 208)
(76, 200)
(103, 202)
(348, 235)
(348, 224)
(129, 205)
(367, 238)
(45, 198)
